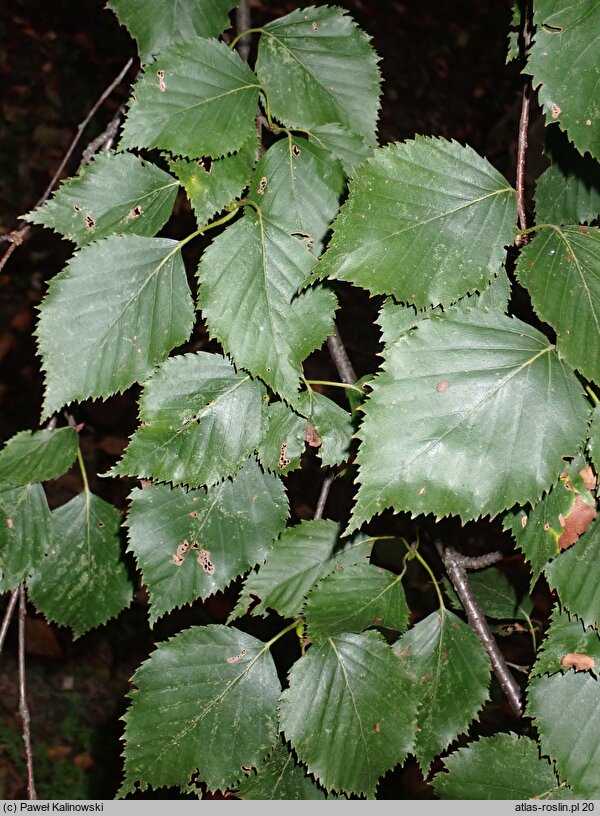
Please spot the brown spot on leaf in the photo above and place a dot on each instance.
(421, 491)
(204, 560)
(135, 213)
(582, 230)
(296, 150)
(442, 386)
(10, 523)
(576, 523)
(376, 728)
(589, 478)
(546, 527)
(314, 26)
(179, 556)
(554, 110)
(579, 662)
(283, 460)
(311, 436)
(426, 677)
(76, 208)
(193, 514)
(404, 652)
(262, 185)
(161, 80)
(89, 222)
(523, 522)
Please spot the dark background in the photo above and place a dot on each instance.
(444, 74)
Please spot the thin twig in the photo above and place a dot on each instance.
(325, 488)
(19, 236)
(243, 22)
(105, 140)
(101, 99)
(8, 617)
(523, 131)
(521, 151)
(23, 707)
(455, 565)
(340, 357)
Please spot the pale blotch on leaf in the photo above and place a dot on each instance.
(161, 81)
(237, 657)
(577, 661)
(442, 386)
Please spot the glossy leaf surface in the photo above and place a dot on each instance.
(197, 99)
(110, 316)
(442, 653)
(249, 278)
(36, 456)
(279, 777)
(318, 68)
(575, 574)
(190, 544)
(561, 270)
(564, 65)
(156, 24)
(371, 727)
(302, 555)
(82, 580)
(201, 421)
(426, 221)
(566, 712)
(25, 532)
(353, 599)
(205, 699)
(471, 414)
(504, 766)
(116, 193)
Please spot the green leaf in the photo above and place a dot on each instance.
(353, 599)
(297, 185)
(197, 99)
(496, 296)
(347, 146)
(284, 441)
(472, 414)
(36, 456)
(302, 555)
(497, 597)
(201, 420)
(279, 777)
(332, 423)
(371, 726)
(205, 699)
(568, 196)
(443, 654)
(249, 278)
(318, 68)
(116, 193)
(25, 532)
(155, 24)
(110, 316)
(594, 440)
(561, 270)
(425, 221)
(82, 580)
(564, 66)
(189, 544)
(537, 530)
(575, 575)
(504, 766)
(565, 636)
(566, 710)
(209, 191)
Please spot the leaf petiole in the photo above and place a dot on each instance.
(414, 553)
(334, 385)
(86, 486)
(242, 34)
